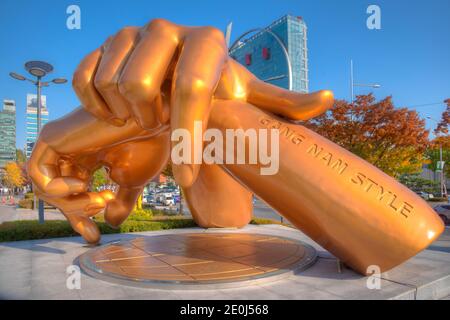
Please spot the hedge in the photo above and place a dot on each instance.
(32, 230)
(438, 199)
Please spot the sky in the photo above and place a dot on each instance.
(409, 56)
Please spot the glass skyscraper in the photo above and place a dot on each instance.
(7, 132)
(32, 122)
(264, 56)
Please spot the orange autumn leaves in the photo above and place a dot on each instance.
(393, 139)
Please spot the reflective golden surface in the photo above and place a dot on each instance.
(143, 83)
(197, 258)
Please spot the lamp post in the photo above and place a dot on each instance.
(443, 188)
(38, 69)
(353, 85)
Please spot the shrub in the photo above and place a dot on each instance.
(26, 203)
(141, 215)
(32, 230)
(29, 195)
(261, 221)
(164, 212)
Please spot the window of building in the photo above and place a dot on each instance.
(248, 59)
(266, 53)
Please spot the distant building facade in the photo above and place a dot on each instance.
(264, 56)
(32, 123)
(7, 132)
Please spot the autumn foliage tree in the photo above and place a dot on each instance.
(13, 177)
(393, 139)
(433, 153)
(442, 127)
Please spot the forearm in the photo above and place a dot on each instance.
(348, 206)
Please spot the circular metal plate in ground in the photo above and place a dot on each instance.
(197, 260)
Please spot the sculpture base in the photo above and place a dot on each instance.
(197, 260)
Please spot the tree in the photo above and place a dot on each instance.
(13, 177)
(99, 178)
(417, 183)
(442, 127)
(433, 153)
(167, 171)
(26, 178)
(20, 156)
(393, 139)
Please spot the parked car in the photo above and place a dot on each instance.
(148, 199)
(425, 195)
(443, 210)
(168, 201)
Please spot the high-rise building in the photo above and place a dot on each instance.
(7, 132)
(32, 123)
(264, 56)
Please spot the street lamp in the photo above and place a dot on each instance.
(353, 85)
(441, 167)
(38, 69)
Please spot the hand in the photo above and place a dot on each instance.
(166, 72)
(67, 153)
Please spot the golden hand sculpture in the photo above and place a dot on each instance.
(143, 84)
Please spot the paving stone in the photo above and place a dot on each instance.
(37, 270)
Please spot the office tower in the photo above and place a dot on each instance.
(32, 123)
(264, 57)
(7, 132)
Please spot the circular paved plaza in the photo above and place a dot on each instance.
(197, 259)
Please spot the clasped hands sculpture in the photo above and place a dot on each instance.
(144, 83)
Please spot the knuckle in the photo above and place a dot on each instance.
(214, 33)
(158, 23)
(102, 84)
(138, 89)
(80, 79)
(191, 85)
(127, 31)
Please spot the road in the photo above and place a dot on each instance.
(260, 210)
(8, 213)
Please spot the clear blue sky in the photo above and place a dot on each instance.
(409, 56)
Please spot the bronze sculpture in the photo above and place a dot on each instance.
(145, 83)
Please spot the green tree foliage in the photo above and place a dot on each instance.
(417, 183)
(20, 156)
(433, 154)
(99, 178)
